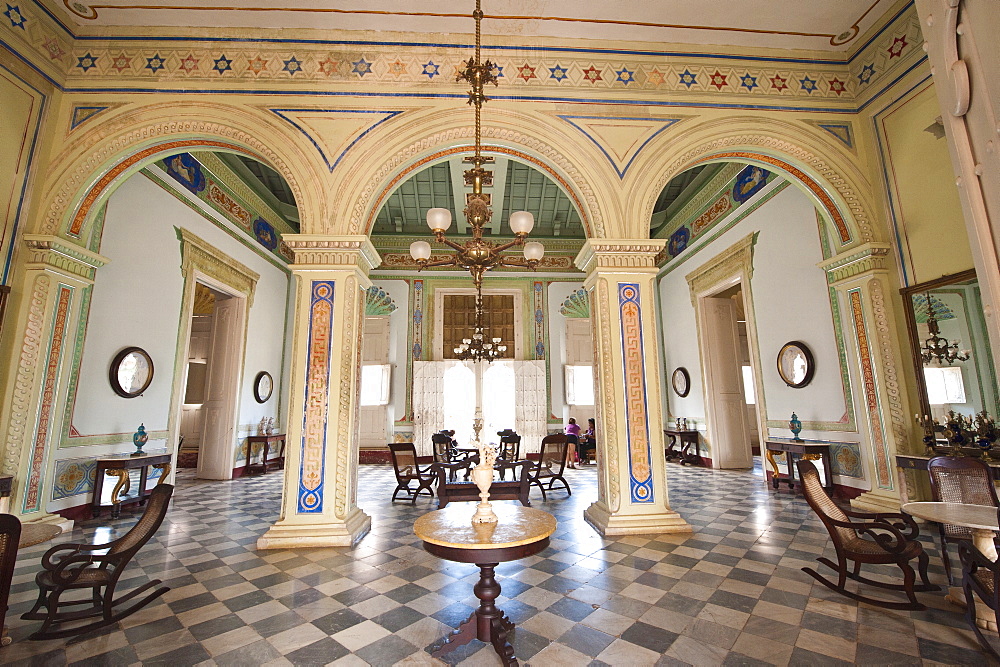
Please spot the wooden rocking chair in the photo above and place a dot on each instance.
(980, 578)
(865, 537)
(10, 533)
(85, 567)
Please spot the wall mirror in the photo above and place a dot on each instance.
(950, 346)
(131, 372)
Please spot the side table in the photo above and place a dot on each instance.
(808, 450)
(686, 439)
(118, 466)
(450, 534)
(265, 452)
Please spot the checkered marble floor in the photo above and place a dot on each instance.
(731, 593)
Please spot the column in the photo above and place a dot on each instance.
(319, 502)
(632, 479)
(861, 278)
(45, 317)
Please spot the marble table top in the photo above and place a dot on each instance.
(453, 527)
(979, 517)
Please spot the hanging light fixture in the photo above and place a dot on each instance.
(480, 347)
(936, 347)
(476, 254)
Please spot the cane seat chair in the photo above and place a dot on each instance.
(510, 449)
(980, 578)
(85, 567)
(551, 464)
(959, 479)
(10, 533)
(408, 471)
(884, 539)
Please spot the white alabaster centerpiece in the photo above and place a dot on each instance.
(482, 476)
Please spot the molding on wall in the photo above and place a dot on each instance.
(48, 252)
(619, 254)
(328, 252)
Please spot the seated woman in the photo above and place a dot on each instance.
(573, 436)
(588, 442)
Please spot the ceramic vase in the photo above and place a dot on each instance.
(139, 438)
(796, 427)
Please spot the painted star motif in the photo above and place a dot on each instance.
(592, 74)
(808, 85)
(558, 72)
(16, 18)
(688, 79)
(257, 65)
(625, 76)
(898, 44)
(86, 62)
(190, 63)
(361, 67)
(55, 50)
(293, 66)
(222, 64)
(837, 86)
(748, 82)
(719, 80)
(430, 69)
(121, 63)
(526, 72)
(654, 77)
(867, 72)
(779, 82)
(397, 68)
(155, 64)
(498, 71)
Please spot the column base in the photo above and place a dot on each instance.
(876, 501)
(322, 533)
(608, 524)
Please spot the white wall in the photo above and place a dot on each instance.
(137, 301)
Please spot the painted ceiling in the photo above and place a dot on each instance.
(786, 24)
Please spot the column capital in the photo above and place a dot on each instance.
(598, 254)
(322, 251)
(859, 261)
(52, 252)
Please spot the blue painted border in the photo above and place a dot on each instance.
(280, 113)
(669, 122)
(310, 501)
(635, 485)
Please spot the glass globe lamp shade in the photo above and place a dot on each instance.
(534, 251)
(438, 219)
(420, 250)
(521, 222)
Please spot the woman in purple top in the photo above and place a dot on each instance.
(573, 431)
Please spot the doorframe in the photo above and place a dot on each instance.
(733, 266)
(203, 263)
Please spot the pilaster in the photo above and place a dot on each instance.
(632, 481)
(319, 503)
(56, 276)
(861, 279)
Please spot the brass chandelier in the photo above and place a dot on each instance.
(936, 347)
(480, 347)
(477, 254)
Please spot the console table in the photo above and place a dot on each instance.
(450, 534)
(268, 443)
(808, 450)
(686, 439)
(118, 466)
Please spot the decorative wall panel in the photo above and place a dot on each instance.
(636, 414)
(312, 468)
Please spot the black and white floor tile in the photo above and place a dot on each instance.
(731, 593)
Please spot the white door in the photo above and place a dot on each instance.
(218, 439)
(730, 433)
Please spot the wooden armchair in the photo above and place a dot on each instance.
(404, 464)
(85, 567)
(10, 533)
(980, 578)
(510, 449)
(551, 463)
(444, 446)
(863, 537)
(959, 479)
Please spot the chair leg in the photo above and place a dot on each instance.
(947, 560)
(922, 562)
(908, 579)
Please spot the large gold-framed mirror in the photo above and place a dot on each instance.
(950, 346)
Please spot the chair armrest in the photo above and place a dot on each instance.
(902, 522)
(973, 559)
(50, 561)
(883, 533)
(72, 566)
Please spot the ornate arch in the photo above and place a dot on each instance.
(834, 184)
(110, 152)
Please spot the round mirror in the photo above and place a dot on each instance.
(131, 372)
(795, 364)
(681, 381)
(262, 386)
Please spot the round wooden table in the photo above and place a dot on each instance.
(450, 534)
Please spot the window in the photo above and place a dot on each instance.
(748, 388)
(375, 384)
(580, 385)
(944, 385)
